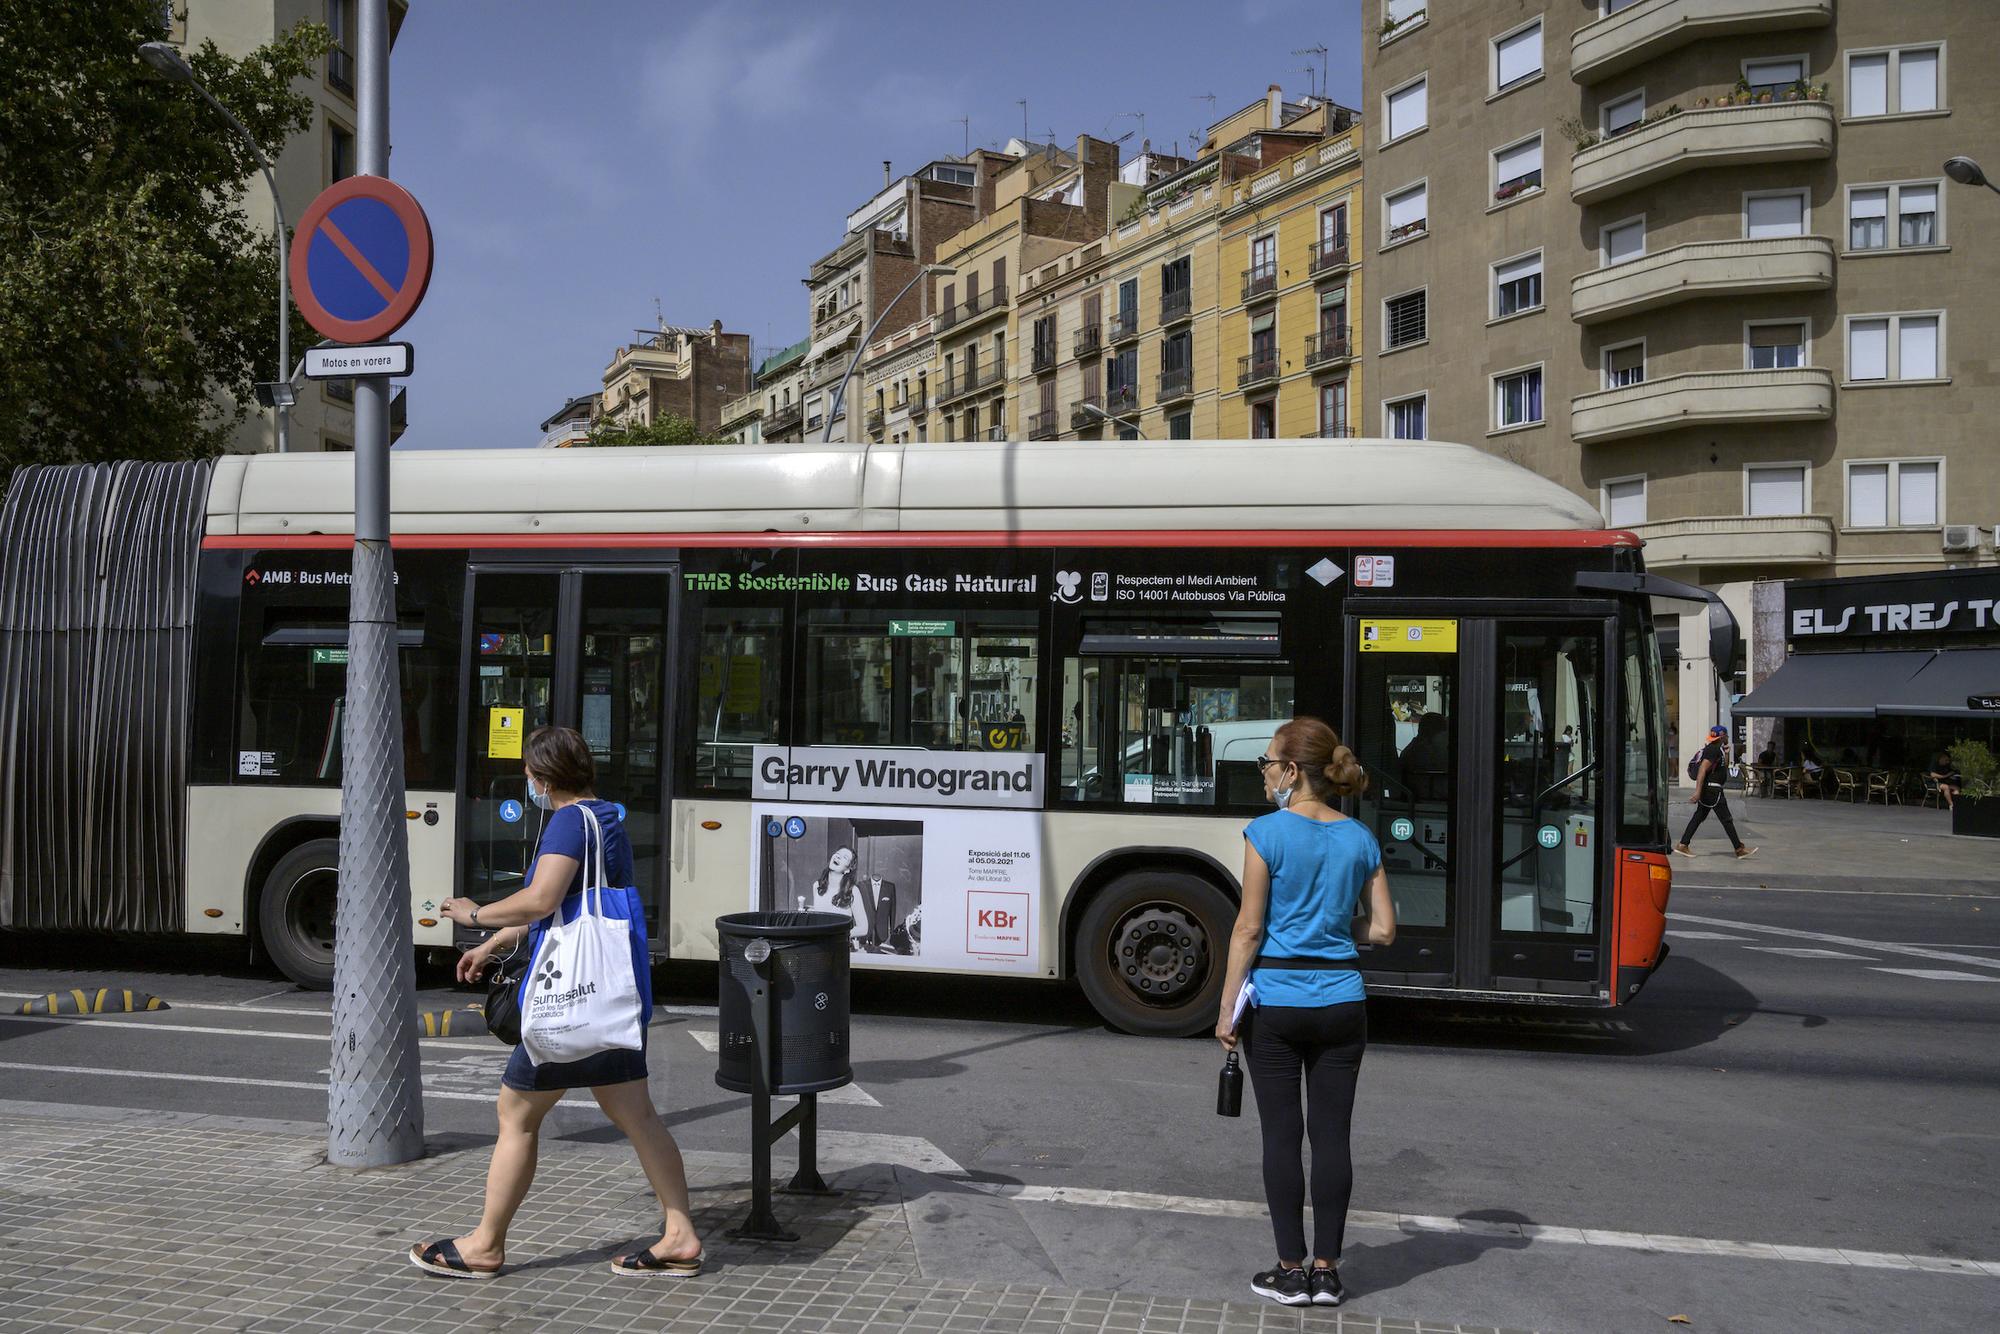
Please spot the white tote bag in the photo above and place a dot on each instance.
(582, 994)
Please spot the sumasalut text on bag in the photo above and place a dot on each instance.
(586, 991)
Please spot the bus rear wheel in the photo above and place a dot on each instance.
(1151, 951)
(295, 913)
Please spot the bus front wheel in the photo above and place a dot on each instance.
(295, 912)
(1151, 951)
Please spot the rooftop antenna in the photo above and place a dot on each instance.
(965, 123)
(1319, 51)
(1022, 103)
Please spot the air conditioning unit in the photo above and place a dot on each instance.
(1961, 537)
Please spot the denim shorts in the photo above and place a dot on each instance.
(606, 1067)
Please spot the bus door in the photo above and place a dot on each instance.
(1482, 738)
(576, 647)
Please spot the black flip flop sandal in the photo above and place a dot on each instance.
(442, 1258)
(645, 1264)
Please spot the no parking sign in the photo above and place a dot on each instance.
(361, 260)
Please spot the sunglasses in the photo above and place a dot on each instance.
(1266, 761)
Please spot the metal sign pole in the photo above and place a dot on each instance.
(375, 1112)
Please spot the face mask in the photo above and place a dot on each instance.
(539, 795)
(1283, 796)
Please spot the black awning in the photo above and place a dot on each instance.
(1939, 690)
(1835, 685)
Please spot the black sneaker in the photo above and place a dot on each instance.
(1324, 1284)
(1284, 1286)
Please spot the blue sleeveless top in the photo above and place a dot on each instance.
(1318, 871)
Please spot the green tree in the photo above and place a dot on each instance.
(135, 295)
(666, 430)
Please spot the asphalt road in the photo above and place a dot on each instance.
(1808, 1069)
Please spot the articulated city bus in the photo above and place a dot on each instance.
(1002, 703)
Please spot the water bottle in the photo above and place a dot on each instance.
(1229, 1088)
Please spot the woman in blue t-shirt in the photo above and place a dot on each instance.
(1306, 868)
(562, 779)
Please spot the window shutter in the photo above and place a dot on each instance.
(1777, 491)
(1516, 269)
(1408, 207)
(1777, 215)
(1916, 347)
(1626, 502)
(1408, 109)
(1520, 55)
(1624, 114)
(1917, 81)
(1513, 163)
(1917, 494)
(1868, 350)
(1868, 495)
(1623, 243)
(1868, 85)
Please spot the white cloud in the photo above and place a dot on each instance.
(724, 69)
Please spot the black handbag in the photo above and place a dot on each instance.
(503, 997)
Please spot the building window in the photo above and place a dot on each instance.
(1774, 213)
(1895, 347)
(1517, 57)
(1895, 82)
(340, 55)
(1180, 426)
(1624, 114)
(339, 152)
(1517, 169)
(1777, 346)
(1264, 420)
(1333, 409)
(1517, 285)
(1896, 493)
(1128, 432)
(1625, 501)
(1625, 365)
(1404, 418)
(1407, 109)
(1775, 75)
(1613, 6)
(1914, 205)
(1403, 321)
(1395, 13)
(1774, 490)
(1406, 213)
(1517, 398)
(1622, 241)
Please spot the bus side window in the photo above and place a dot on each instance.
(739, 703)
(930, 680)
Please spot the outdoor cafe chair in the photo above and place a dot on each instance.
(1933, 795)
(1881, 782)
(1845, 786)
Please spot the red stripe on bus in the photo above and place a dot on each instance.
(1205, 537)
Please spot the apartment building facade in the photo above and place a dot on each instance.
(773, 410)
(677, 372)
(323, 153)
(1697, 260)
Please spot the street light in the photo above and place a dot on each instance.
(841, 393)
(1967, 172)
(172, 65)
(1096, 411)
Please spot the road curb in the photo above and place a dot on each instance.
(103, 1000)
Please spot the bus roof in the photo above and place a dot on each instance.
(1001, 489)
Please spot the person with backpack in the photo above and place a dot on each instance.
(1709, 769)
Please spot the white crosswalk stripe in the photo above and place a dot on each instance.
(1939, 974)
(1806, 952)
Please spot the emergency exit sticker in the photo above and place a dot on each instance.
(1409, 636)
(503, 733)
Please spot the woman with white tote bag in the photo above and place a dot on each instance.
(585, 1002)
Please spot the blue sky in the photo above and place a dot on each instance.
(579, 160)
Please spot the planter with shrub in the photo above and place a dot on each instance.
(1976, 811)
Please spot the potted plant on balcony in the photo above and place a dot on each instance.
(1701, 104)
(1580, 135)
(1975, 812)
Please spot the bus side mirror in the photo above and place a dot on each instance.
(1724, 636)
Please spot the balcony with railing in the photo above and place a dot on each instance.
(1176, 384)
(1409, 229)
(1702, 269)
(783, 418)
(1044, 358)
(997, 431)
(1086, 412)
(1767, 540)
(1329, 253)
(1044, 425)
(1122, 400)
(564, 434)
(960, 385)
(1260, 280)
(1330, 431)
(1672, 145)
(340, 70)
(1089, 341)
(1701, 398)
(919, 407)
(1330, 346)
(1639, 33)
(1176, 306)
(973, 308)
(874, 420)
(1256, 368)
(1124, 326)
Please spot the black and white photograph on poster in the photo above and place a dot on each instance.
(952, 888)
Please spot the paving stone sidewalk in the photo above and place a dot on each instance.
(146, 1222)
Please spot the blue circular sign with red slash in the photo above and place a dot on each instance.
(361, 259)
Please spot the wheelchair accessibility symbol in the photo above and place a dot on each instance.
(510, 811)
(795, 827)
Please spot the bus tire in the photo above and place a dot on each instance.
(1151, 950)
(295, 913)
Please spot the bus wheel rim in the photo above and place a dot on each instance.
(1160, 952)
(309, 910)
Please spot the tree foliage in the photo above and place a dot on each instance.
(664, 430)
(136, 297)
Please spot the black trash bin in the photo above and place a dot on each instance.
(808, 972)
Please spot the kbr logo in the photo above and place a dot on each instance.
(997, 923)
(998, 919)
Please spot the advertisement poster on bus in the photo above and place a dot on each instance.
(923, 885)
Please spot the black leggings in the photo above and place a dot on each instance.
(1721, 809)
(1324, 1043)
